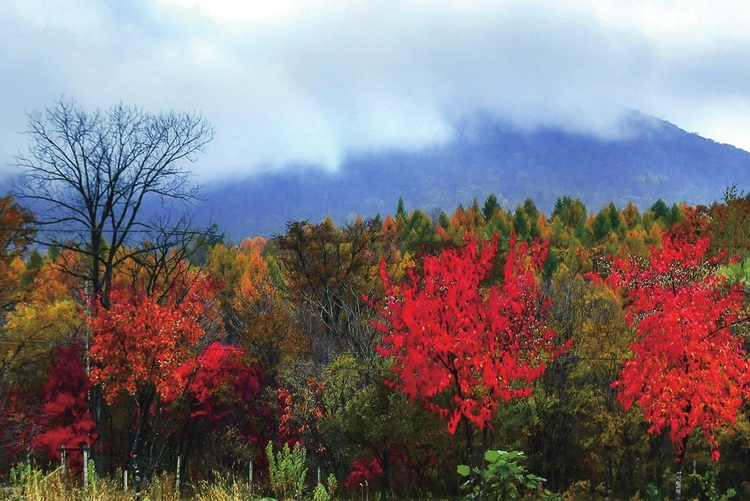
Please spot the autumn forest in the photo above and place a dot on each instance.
(602, 349)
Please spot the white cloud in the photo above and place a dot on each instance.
(312, 82)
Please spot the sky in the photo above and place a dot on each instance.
(289, 82)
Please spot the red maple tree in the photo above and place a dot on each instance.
(450, 336)
(138, 342)
(138, 346)
(688, 369)
(225, 390)
(65, 419)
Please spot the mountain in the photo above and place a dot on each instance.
(652, 159)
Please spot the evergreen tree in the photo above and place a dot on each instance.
(602, 224)
(572, 213)
(614, 217)
(660, 210)
(490, 206)
(674, 216)
(521, 224)
(443, 220)
(400, 211)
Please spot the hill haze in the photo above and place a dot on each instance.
(653, 159)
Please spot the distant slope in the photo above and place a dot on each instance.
(657, 160)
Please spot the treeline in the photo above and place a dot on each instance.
(205, 351)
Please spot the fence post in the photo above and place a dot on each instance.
(125, 480)
(85, 450)
(251, 477)
(62, 459)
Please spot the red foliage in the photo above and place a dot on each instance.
(448, 333)
(224, 390)
(688, 370)
(363, 471)
(17, 411)
(695, 224)
(65, 415)
(138, 341)
(298, 412)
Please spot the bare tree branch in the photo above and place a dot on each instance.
(90, 177)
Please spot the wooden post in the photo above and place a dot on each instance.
(62, 459)
(125, 480)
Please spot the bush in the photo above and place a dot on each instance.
(504, 478)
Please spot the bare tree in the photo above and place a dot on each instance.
(90, 177)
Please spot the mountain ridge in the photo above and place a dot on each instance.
(655, 159)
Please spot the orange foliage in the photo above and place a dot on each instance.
(139, 343)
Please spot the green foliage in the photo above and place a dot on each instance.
(521, 223)
(24, 474)
(525, 221)
(572, 213)
(366, 416)
(419, 228)
(706, 485)
(286, 470)
(490, 206)
(675, 215)
(93, 476)
(400, 210)
(602, 224)
(614, 217)
(325, 492)
(503, 477)
(736, 272)
(653, 493)
(660, 209)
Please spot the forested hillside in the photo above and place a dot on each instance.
(608, 344)
(648, 160)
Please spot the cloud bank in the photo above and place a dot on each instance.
(310, 83)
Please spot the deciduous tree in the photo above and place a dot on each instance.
(460, 347)
(328, 270)
(65, 419)
(16, 233)
(138, 346)
(688, 369)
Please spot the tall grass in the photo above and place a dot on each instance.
(31, 484)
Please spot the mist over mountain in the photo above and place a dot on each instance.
(654, 159)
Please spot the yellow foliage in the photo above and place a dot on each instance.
(47, 316)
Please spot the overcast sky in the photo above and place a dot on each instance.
(309, 82)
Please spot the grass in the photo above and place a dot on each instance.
(32, 485)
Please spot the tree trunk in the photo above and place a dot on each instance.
(481, 462)
(678, 475)
(140, 429)
(469, 454)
